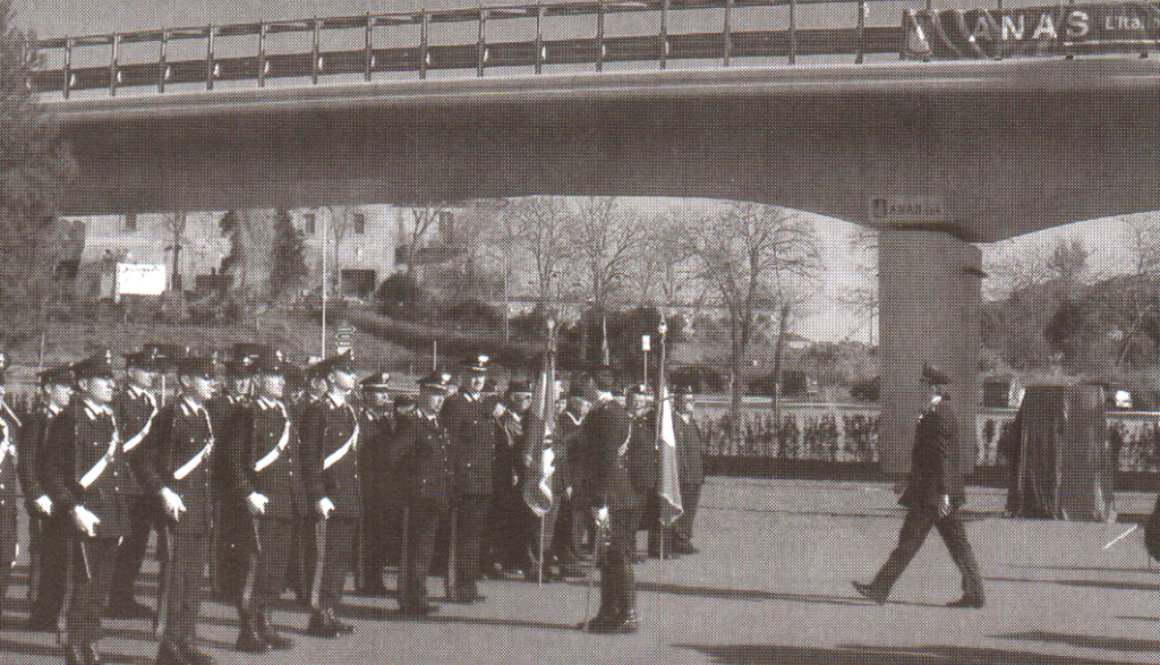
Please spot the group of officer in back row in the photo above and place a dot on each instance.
(278, 481)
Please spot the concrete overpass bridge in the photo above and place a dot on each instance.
(937, 155)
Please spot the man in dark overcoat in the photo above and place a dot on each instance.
(932, 498)
(376, 427)
(616, 504)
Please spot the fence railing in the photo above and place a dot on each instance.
(849, 433)
(420, 54)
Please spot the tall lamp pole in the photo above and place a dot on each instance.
(325, 232)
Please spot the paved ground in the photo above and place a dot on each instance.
(772, 585)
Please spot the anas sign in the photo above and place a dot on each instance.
(1060, 30)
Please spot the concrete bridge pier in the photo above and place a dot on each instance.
(929, 310)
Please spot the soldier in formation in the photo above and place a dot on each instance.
(288, 488)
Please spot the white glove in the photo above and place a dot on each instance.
(944, 506)
(44, 504)
(325, 507)
(601, 516)
(172, 503)
(85, 520)
(257, 503)
(547, 462)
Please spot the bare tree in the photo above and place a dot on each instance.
(863, 298)
(663, 271)
(539, 227)
(174, 225)
(758, 258)
(414, 224)
(605, 239)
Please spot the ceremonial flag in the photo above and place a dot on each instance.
(670, 488)
(541, 427)
(605, 355)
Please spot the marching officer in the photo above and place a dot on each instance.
(9, 427)
(81, 469)
(46, 527)
(376, 535)
(644, 462)
(329, 433)
(311, 388)
(264, 496)
(175, 466)
(690, 469)
(422, 454)
(135, 407)
(616, 504)
(471, 433)
(932, 498)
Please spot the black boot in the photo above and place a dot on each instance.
(249, 640)
(338, 626)
(319, 626)
(192, 655)
(169, 653)
(267, 632)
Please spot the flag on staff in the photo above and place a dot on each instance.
(541, 427)
(670, 488)
(605, 354)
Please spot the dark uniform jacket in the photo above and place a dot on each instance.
(255, 432)
(181, 433)
(690, 447)
(326, 428)
(607, 429)
(934, 470)
(31, 439)
(8, 475)
(507, 469)
(644, 455)
(421, 453)
(135, 410)
(221, 411)
(375, 431)
(472, 436)
(75, 442)
(577, 453)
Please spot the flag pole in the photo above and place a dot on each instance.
(662, 328)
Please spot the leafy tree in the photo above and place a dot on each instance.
(289, 255)
(34, 163)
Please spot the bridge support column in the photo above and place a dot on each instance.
(929, 310)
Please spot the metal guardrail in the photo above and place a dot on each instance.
(424, 56)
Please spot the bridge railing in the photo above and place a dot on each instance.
(424, 55)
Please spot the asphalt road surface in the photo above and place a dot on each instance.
(771, 586)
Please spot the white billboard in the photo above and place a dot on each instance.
(139, 279)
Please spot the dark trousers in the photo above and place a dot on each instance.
(51, 533)
(617, 587)
(302, 556)
(191, 552)
(7, 549)
(533, 532)
(470, 515)
(421, 519)
(372, 537)
(915, 528)
(682, 529)
(277, 536)
(340, 535)
(90, 594)
(143, 514)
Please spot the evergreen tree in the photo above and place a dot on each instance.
(289, 260)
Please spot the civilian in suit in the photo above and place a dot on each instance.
(690, 469)
(376, 428)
